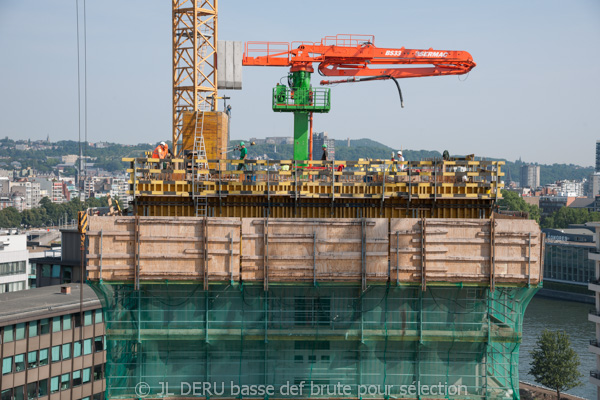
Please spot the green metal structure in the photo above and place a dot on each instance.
(301, 99)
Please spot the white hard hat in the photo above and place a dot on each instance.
(400, 152)
(162, 143)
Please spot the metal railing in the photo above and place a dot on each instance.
(332, 179)
(344, 171)
(315, 99)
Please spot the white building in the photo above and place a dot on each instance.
(57, 192)
(23, 189)
(119, 187)
(70, 159)
(14, 264)
(571, 188)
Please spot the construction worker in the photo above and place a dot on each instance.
(161, 151)
(324, 156)
(401, 158)
(243, 156)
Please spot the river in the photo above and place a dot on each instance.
(543, 313)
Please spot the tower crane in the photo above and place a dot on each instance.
(354, 57)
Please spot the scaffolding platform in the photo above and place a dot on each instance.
(318, 189)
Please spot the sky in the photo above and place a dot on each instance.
(534, 94)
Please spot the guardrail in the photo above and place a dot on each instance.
(308, 171)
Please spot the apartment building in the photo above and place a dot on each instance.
(530, 176)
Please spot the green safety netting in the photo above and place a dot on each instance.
(332, 340)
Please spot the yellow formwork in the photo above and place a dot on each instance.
(246, 206)
(317, 189)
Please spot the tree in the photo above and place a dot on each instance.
(514, 202)
(566, 216)
(10, 218)
(555, 364)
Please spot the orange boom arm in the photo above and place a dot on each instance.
(357, 56)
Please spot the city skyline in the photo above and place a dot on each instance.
(583, 164)
(524, 97)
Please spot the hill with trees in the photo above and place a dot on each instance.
(109, 156)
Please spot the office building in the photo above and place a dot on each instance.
(550, 204)
(567, 267)
(51, 352)
(594, 314)
(63, 268)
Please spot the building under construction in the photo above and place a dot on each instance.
(318, 278)
(308, 279)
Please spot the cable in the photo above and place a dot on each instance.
(85, 91)
(78, 100)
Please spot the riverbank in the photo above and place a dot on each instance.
(566, 296)
(535, 392)
(569, 291)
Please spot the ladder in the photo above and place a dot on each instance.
(199, 163)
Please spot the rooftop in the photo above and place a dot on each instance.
(42, 302)
(581, 202)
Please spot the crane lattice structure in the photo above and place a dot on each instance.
(194, 60)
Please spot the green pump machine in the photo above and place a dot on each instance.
(300, 98)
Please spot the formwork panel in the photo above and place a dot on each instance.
(133, 248)
(256, 206)
(467, 250)
(314, 249)
(214, 127)
(415, 250)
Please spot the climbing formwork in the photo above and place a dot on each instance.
(313, 307)
(318, 189)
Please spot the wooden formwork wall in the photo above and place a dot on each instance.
(214, 130)
(153, 248)
(315, 250)
(466, 250)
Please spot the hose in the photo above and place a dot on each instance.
(399, 90)
(372, 78)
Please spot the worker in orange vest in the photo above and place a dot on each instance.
(161, 151)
